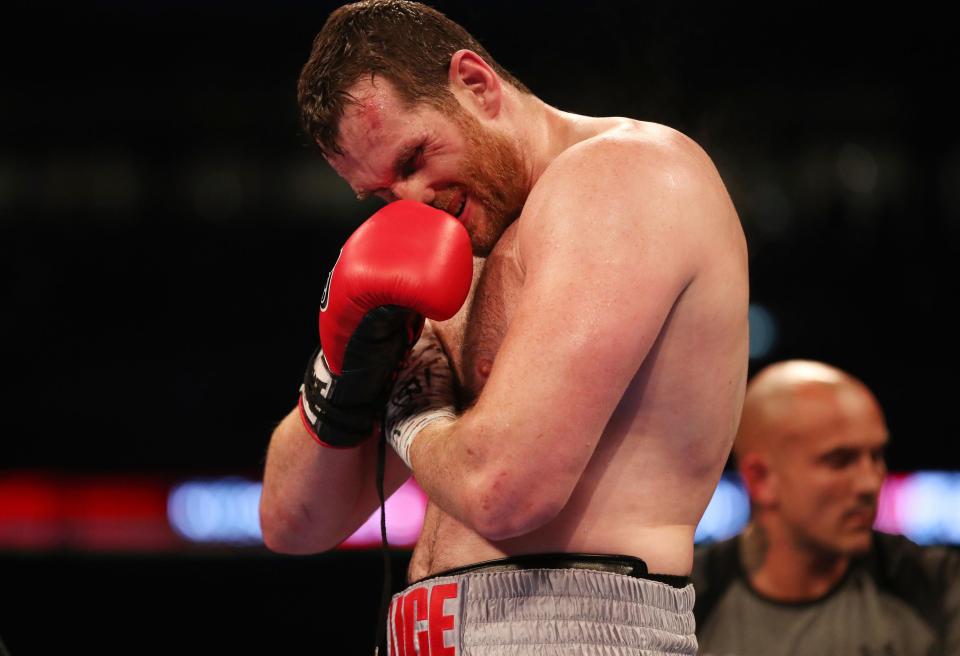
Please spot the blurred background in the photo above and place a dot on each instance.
(166, 229)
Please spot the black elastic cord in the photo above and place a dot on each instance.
(385, 596)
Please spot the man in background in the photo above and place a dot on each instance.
(809, 574)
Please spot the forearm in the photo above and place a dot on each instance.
(457, 465)
(437, 464)
(313, 497)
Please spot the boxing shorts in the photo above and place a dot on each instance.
(538, 605)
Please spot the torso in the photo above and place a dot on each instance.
(662, 452)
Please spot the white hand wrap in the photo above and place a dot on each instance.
(422, 394)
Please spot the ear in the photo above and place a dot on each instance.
(759, 478)
(475, 84)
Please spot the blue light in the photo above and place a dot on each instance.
(928, 507)
(226, 511)
(220, 510)
(924, 506)
(727, 513)
(763, 331)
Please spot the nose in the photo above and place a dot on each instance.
(869, 476)
(414, 189)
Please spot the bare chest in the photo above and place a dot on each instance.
(473, 337)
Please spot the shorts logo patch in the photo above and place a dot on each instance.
(424, 621)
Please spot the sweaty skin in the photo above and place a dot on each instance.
(658, 460)
(602, 355)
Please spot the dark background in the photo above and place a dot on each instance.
(165, 231)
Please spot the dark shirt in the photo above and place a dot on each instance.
(898, 600)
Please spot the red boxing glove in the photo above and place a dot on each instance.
(407, 261)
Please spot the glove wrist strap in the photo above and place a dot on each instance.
(329, 424)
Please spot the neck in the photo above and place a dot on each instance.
(781, 568)
(543, 132)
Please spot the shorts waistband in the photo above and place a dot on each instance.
(534, 604)
(616, 564)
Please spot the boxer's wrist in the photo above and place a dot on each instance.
(422, 395)
(403, 433)
(331, 424)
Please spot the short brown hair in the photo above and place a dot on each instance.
(408, 43)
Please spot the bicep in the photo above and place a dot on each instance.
(602, 274)
(577, 338)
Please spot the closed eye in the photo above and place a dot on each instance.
(405, 165)
(839, 458)
(410, 161)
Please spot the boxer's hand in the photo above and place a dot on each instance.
(405, 262)
(422, 394)
(341, 410)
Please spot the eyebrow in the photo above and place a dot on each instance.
(846, 450)
(406, 152)
(839, 451)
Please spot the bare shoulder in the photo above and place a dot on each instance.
(645, 178)
(636, 156)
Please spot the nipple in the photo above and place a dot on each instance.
(484, 365)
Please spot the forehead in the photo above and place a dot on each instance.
(377, 110)
(372, 128)
(836, 417)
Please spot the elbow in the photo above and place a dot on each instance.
(276, 529)
(275, 538)
(286, 532)
(499, 511)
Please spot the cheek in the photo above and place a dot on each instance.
(812, 495)
(832, 496)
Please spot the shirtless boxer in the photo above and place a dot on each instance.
(600, 359)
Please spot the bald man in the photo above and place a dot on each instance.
(809, 575)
